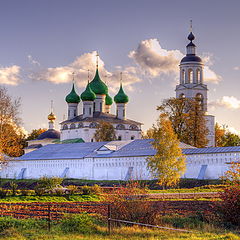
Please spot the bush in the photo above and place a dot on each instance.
(229, 209)
(39, 191)
(49, 183)
(3, 193)
(86, 190)
(72, 189)
(127, 204)
(81, 223)
(13, 186)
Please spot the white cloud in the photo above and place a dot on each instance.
(155, 60)
(229, 102)
(10, 75)
(236, 68)
(80, 68)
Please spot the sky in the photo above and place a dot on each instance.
(43, 42)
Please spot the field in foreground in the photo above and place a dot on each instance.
(123, 233)
(88, 227)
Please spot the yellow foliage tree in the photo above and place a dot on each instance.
(105, 132)
(168, 164)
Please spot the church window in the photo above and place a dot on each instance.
(198, 76)
(183, 76)
(120, 127)
(119, 138)
(65, 127)
(132, 137)
(72, 126)
(90, 111)
(100, 107)
(94, 106)
(190, 75)
(133, 127)
(83, 111)
(75, 113)
(91, 140)
(123, 112)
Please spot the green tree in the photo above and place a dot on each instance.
(187, 118)
(105, 132)
(35, 133)
(168, 164)
(225, 138)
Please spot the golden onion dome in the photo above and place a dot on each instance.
(51, 117)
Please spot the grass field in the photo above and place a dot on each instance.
(71, 198)
(27, 229)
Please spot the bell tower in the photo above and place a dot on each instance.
(192, 85)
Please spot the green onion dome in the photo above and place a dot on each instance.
(88, 94)
(121, 97)
(98, 86)
(72, 97)
(108, 100)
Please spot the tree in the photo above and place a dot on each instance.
(148, 134)
(105, 132)
(225, 138)
(35, 133)
(168, 164)
(219, 135)
(11, 136)
(187, 118)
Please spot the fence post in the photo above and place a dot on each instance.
(49, 218)
(109, 218)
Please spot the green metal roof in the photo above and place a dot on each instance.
(121, 97)
(72, 97)
(108, 100)
(98, 86)
(88, 94)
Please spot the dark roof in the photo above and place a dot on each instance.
(191, 58)
(50, 133)
(100, 116)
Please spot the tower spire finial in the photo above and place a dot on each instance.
(73, 80)
(97, 56)
(191, 28)
(51, 110)
(121, 78)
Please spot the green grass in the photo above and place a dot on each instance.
(123, 233)
(71, 198)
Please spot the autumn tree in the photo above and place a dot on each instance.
(148, 134)
(105, 132)
(11, 136)
(168, 164)
(225, 138)
(35, 133)
(187, 118)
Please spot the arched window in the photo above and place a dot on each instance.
(198, 76)
(190, 75)
(183, 76)
(132, 137)
(65, 127)
(93, 125)
(133, 127)
(80, 125)
(120, 127)
(119, 138)
(72, 126)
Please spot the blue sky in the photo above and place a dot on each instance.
(43, 41)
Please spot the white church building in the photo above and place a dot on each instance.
(74, 153)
